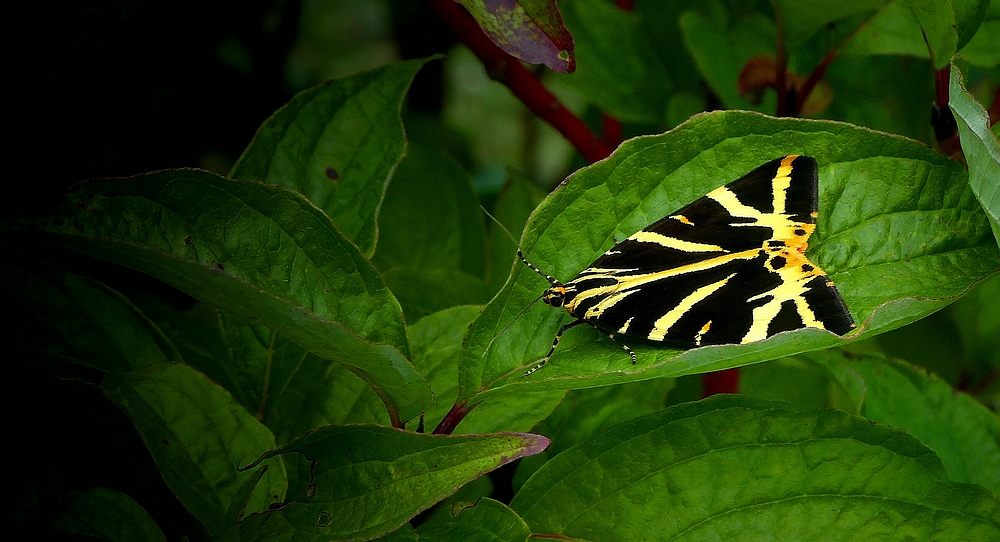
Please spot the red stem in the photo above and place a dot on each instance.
(994, 110)
(726, 381)
(509, 71)
(612, 130)
(814, 78)
(941, 82)
(452, 419)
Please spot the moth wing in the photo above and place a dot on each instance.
(727, 268)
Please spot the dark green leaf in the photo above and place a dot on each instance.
(721, 49)
(796, 380)
(529, 30)
(921, 28)
(259, 251)
(432, 247)
(963, 433)
(584, 412)
(899, 232)
(437, 342)
(803, 18)
(486, 520)
(199, 437)
(368, 480)
(337, 144)
(731, 467)
(983, 49)
(72, 318)
(977, 317)
(938, 28)
(517, 199)
(291, 390)
(430, 217)
(110, 515)
(617, 67)
(980, 146)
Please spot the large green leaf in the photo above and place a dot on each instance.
(980, 146)
(199, 437)
(337, 143)
(67, 317)
(518, 198)
(290, 389)
(617, 68)
(585, 412)
(731, 467)
(721, 48)
(803, 18)
(960, 430)
(899, 232)
(259, 251)
(106, 514)
(485, 520)
(796, 380)
(432, 246)
(368, 480)
(921, 28)
(437, 344)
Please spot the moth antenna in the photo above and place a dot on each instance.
(504, 228)
(520, 255)
(518, 315)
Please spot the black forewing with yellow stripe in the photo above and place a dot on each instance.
(727, 269)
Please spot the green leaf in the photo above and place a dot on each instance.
(585, 412)
(291, 390)
(107, 514)
(938, 26)
(529, 30)
(921, 28)
(721, 49)
(406, 533)
(71, 318)
(367, 480)
(437, 342)
(983, 49)
(980, 146)
(518, 198)
(892, 31)
(337, 143)
(977, 319)
(199, 437)
(960, 430)
(804, 18)
(794, 380)
(261, 252)
(617, 68)
(731, 467)
(432, 249)
(883, 92)
(486, 520)
(899, 232)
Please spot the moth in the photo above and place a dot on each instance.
(729, 268)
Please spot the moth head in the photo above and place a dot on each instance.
(554, 296)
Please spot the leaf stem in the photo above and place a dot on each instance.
(452, 419)
(725, 381)
(525, 86)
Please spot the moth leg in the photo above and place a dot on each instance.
(555, 343)
(625, 347)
